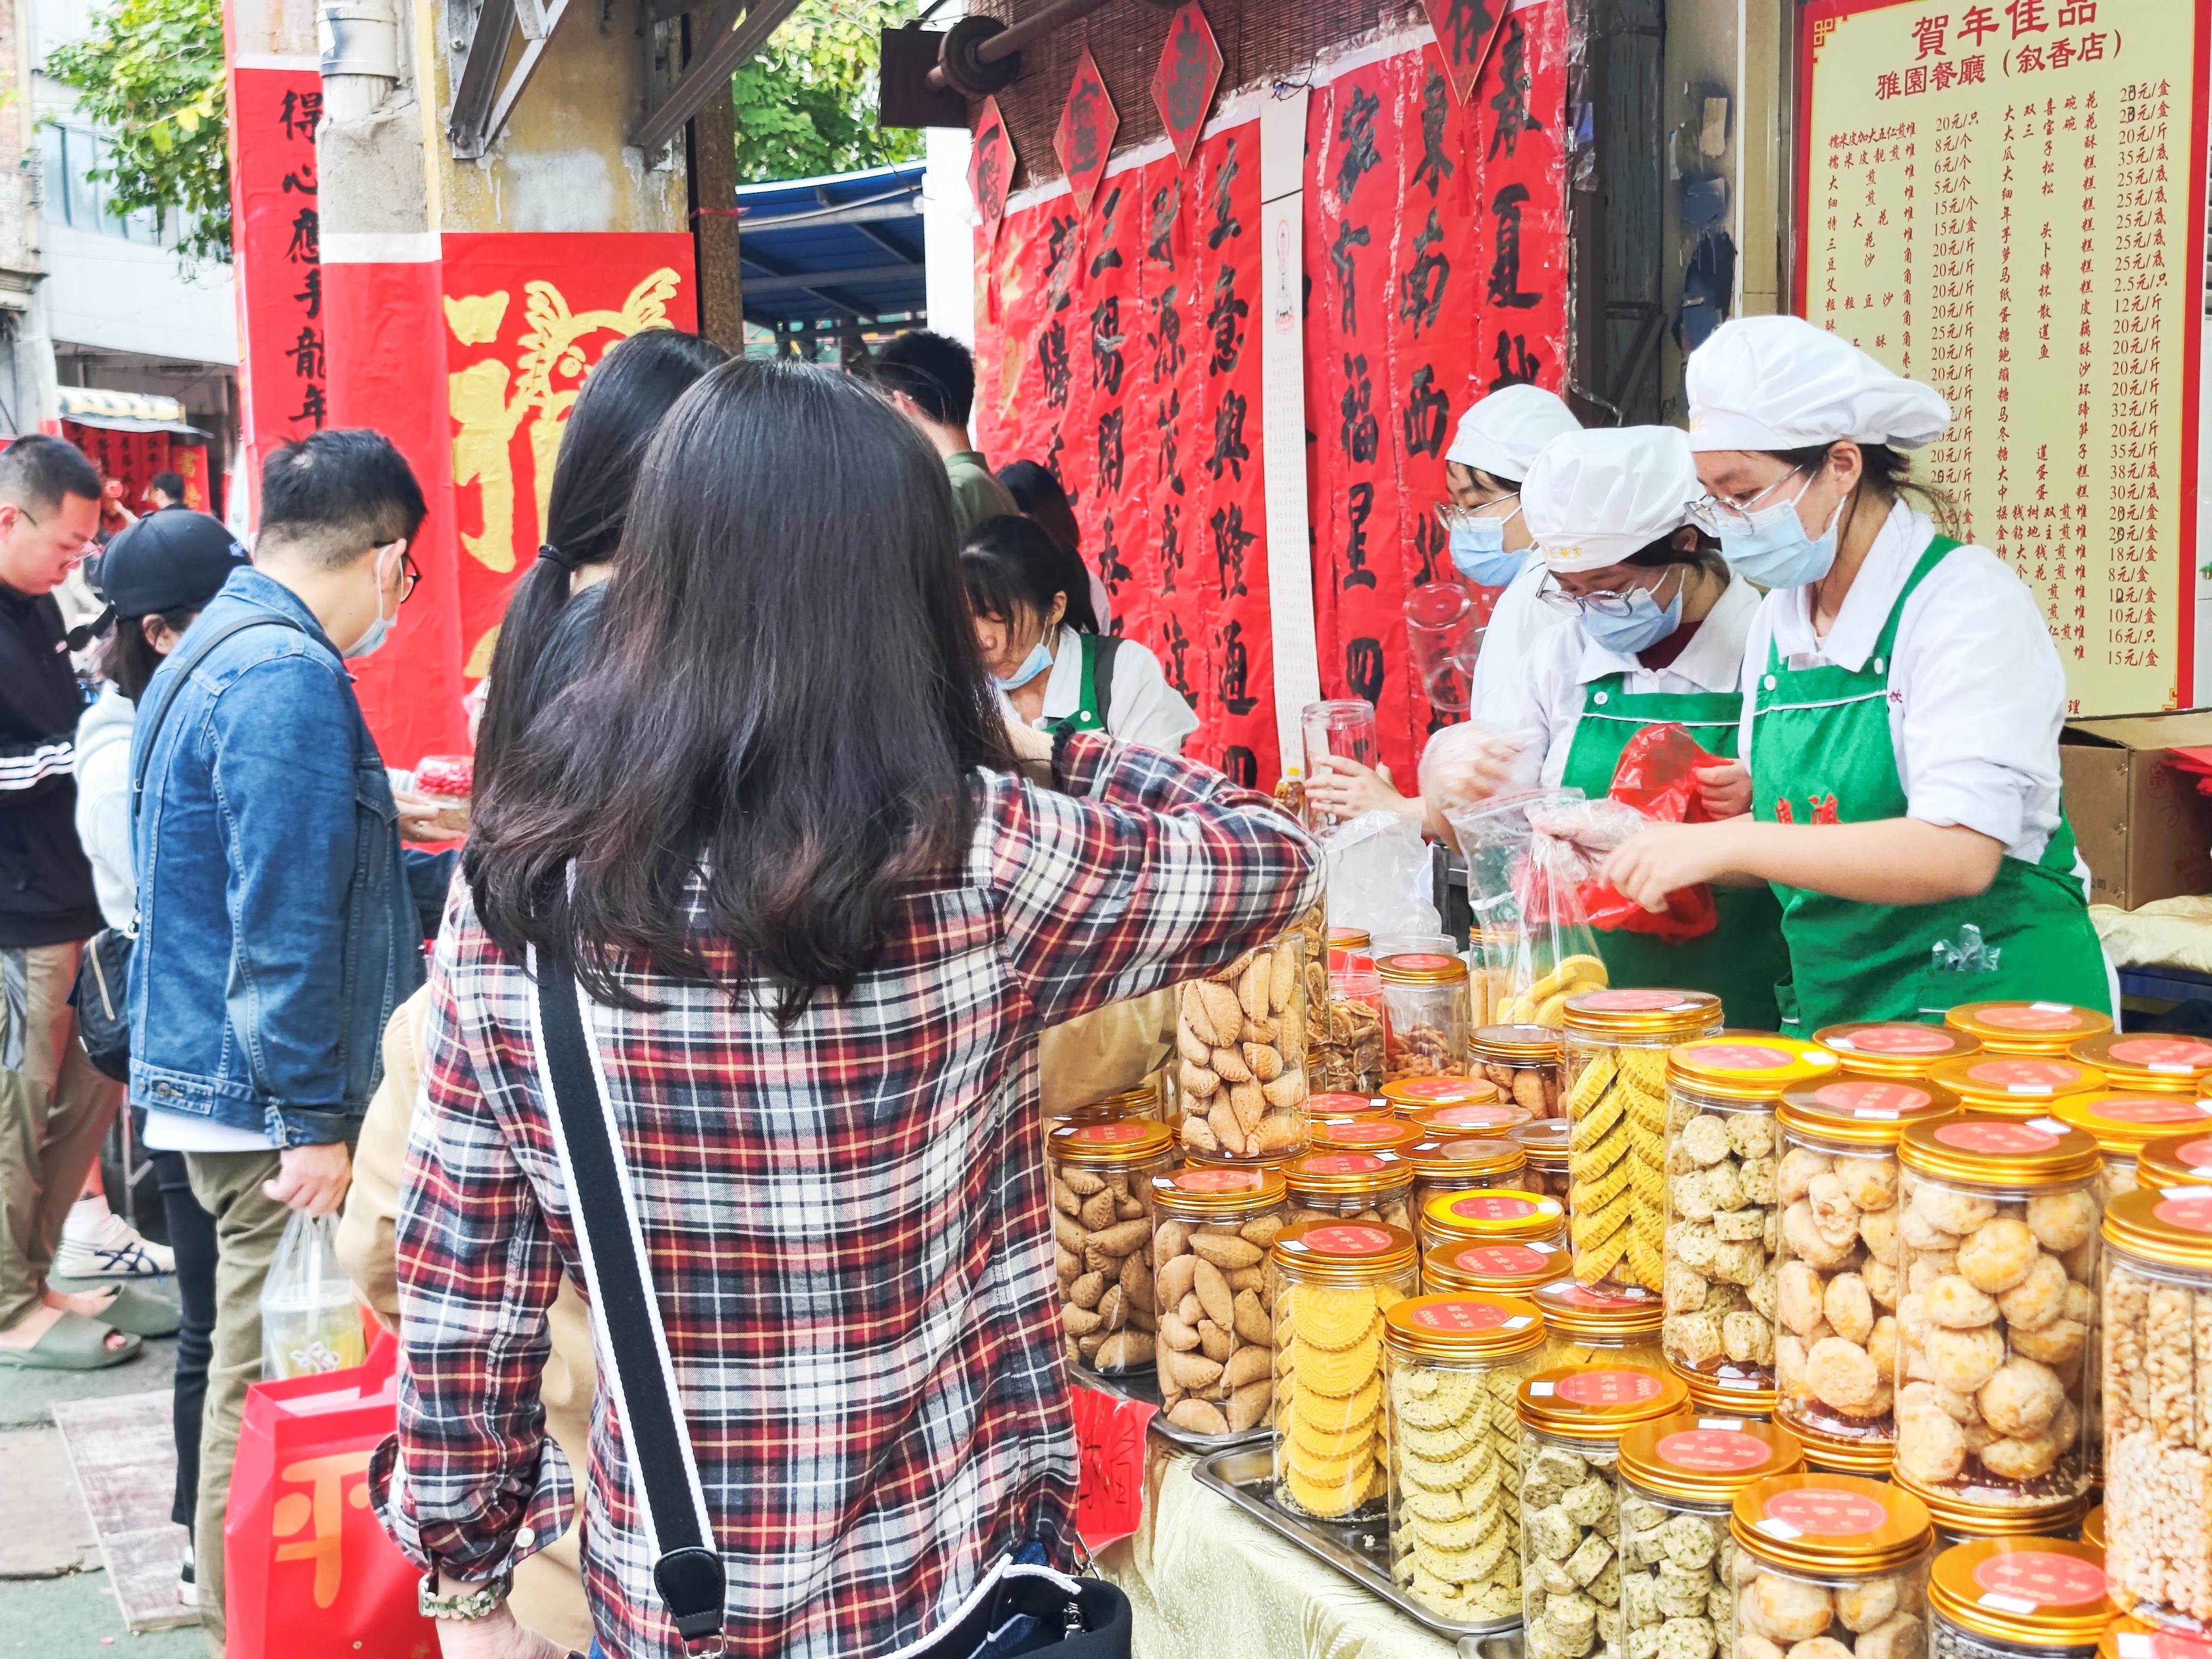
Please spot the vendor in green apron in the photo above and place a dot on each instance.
(1903, 701)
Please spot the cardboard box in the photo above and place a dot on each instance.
(2144, 830)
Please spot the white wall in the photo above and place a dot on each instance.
(948, 234)
(126, 296)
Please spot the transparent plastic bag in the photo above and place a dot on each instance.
(310, 1315)
(1379, 876)
(1524, 889)
(1572, 844)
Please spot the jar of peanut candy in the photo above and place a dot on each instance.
(2018, 1598)
(1830, 1566)
(1102, 1199)
(1519, 1267)
(1601, 1325)
(1545, 1144)
(1472, 1169)
(1334, 1280)
(2148, 1062)
(2182, 1160)
(2015, 1086)
(1212, 1229)
(1424, 1015)
(2124, 1122)
(1240, 1042)
(2027, 1028)
(1523, 1062)
(1349, 1187)
(1894, 1050)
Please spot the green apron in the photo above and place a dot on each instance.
(1741, 959)
(1086, 717)
(1821, 753)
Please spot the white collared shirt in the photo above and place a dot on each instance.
(1977, 694)
(1517, 628)
(1143, 707)
(1567, 660)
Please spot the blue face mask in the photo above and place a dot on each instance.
(1479, 554)
(1770, 546)
(379, 631)
(1642, 624)
(1035, 664)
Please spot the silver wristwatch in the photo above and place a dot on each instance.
(465, 1607)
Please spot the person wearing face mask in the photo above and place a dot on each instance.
(1902, 706)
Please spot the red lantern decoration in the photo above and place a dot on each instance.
(1184, 85)
(1084, 142)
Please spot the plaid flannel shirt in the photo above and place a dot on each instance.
(848, 1224)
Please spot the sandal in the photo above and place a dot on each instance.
(71, 1343)
(134, 1311)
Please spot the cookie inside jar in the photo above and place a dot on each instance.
(1240, 1048)
(1830, 1566)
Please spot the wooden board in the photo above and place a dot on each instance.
(124, 1452)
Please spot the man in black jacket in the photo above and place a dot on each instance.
(54, 1106)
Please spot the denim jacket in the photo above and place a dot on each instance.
(279, 922)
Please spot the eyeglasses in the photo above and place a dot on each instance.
(1451, 514)
(1607, 602)
(410, 575)
(82, 551)
(1711, 512)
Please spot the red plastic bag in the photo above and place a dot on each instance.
(308, 1572)
(1657, 775)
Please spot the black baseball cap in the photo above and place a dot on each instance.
(172, 560)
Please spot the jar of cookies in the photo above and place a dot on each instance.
(1425, 1017)
(1523, 1061)
(1143, 1101)
(2182, 1160)
(1601, 1325)
(2027, 1028)
(1365, 1134)
(1452, 1365)
(1102, 1200)
(2062, 1522)
(1516, 1268)
(1349, 1187)
(1215, 1347)
(1350, 1055)
(2155, 1332)
(1496, 1215)
(1467, 1165)
(1492, 1120)
(2148, 1062)
(1334, 1282)
(1894, 1050)
(1721, 1214)
(2015, 1086)
(1544, 1144)
(2017, 1598)
(2124, 1122)
(1839, 1265)
(1572, 1418)
(1311, 933)
(1679, 1478)
(1241, 1046)
(1345, 1109)
(1411, 1097)
(1830, 1566)
(1999, 1224)
(1614, 1047)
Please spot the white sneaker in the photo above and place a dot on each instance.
(188, 1590)
(111, 1248)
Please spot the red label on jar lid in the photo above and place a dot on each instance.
(2159, 1052)
(2152, 1108)
(2038, 1076)
(2196, 1154)
(1218, 1181)
(2194, 1213)
(1737, 1056)
(1110, 1134)
(1444, 1090)
(1501, 1259)
(1341, 1164)
(1422, 961)
(1631, 1002)
(1825, 1512)
(1482, 1206)
(1995, 1138)
(1473, 1117)
(1610, 1387)
(1874, 1099)
(2043, 1576)
(1898, 1039)
(1350, 1240)
(2160, 1644)
(2032, 1017)
(1342, 1105)
(1581, 1296)
(1714, 1451)
(1357, 1133)
(1460, 1314)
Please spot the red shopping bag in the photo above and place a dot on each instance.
(1657, 775)
(308, 1572)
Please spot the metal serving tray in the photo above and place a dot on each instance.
(1144, 1387)
(1359, 1550)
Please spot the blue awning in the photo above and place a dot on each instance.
(848, 246)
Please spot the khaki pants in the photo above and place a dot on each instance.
(248, 1226)
(54, 1108)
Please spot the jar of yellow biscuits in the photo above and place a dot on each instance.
(1830, 1566)
(1601, 1324)
(1212, 1225)
(2015, 1086)
(2027, 1028)
(1241, 1042)
(1334, 1280)
(1102, 1199)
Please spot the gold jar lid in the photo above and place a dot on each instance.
(1334, 1108)
(1464, 1158)
(2125, 1121)
(1831, 1522)
(2183, 1160)
(2015, 1086)
(2149, 1060)
(2172, 1227)
(2130, 1639)
(1963, 1516)
(1343, 1252)
(1409, 1095)
(1893, 1048)
(2037, 1592)
(1487, 1119)
(1421, 968)
(1629, 1012)
(1365, 1135)
(1462, 1325)
(1618, 1315)
(1844, 1455)
(1120, 1141)
(2093, 1530)
(1706, 1459)
(1217, 1189)
(1493, 1215)
(1748, 1064)
(1545, 1141)
(1989, 1151)
(1862, 1111)
(2027, 1028)
(1345, 1174)
(1515, 1045)
(1349, 939)
(1523, 1265)
(1596, 1402)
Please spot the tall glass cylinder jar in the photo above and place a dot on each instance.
(1373, 1187)
(1723, 1224)
(2183, 1160)
(1614, 1047)
(1601, 1325)
(2124, 1122)
(1833, 1559)
(2027, 1028)
(1349, 1056)
(1514, 1267)
(2016, 1085)
(1840, 1271)
(1894, 1050)
(1241, 1042)
(1572, 1419)
(1452, 1365)
(1523, 1062)
(1102, 1199)
(1464, 1166)
(1999, 1229)
(2148, 1062)
(2018, 1598)
(1424, 1015)
(1545, 1143)
(2157, 1334)
(1215, 1346)
(1491, 954)
(1334, 1280)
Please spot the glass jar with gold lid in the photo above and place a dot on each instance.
(1572, 1419)
(1523, 1061)
(1349, 1052)
(1345, 1107)
(1496, 1216)
(1836, 1559)
(2008, 1598)
(1546, 1143)
(1241, 1046)
(2015, 1086)
(1601, 1324)
(1514, 1267)
(2180, 1160)
(2132, 1638)
(1102, 1199)
(2027, 1028)
(1334, 1282)
(2060, 1521)
(1614, 1045)
(1424, 1015)
(1348, 938)
(1365, 1134)
(1495, 1119)
(1410, 1097)
(1212, 1225)
(1452, 1364)
(1723, 1224)
(1148, 1099)
(1374, 1186)
(2155, 1326)
(2125, 1121)
(1837, 1185)
(1460, 1165)
(1999, 1224)
(1895, 1050)
(2148, 1062)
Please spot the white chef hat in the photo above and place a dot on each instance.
(1595, 497)
(1502, 434)
(1780, 383)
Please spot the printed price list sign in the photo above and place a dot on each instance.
(2006, 200)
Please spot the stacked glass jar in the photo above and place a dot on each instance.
(1334, 1282)
(1998, 1221)
(1614, 1047)
(2027, 1028)
(2016, 1085)
(1463, 1164)
(1349, 1051)
(1410, 1097)
(1366, 1134)
(1240, 1042)
(2124, 1122)
(1601, 1324)
(2183, 1160)
(1830, 1566)
(1840, 1271)
(1212, 1229)
(1375, 1186)
(1494, 1119)
(2018, 1598)
(1452, 1365)
(1893, 1051)
(2148, 1062)
(1424, 1015)
(1102, 1193)
(1723, 1224)
(1515, 1267)
(1523, 1061)
(1496, 1216)
(1544, 1144)
(1572, 1418)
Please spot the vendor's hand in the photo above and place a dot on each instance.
(1664, 859)
(1467, 763)
(418, 819)
(498, 1635)
(1724, 791)
(1344, 789)
(313, 1179)
(1029, 743)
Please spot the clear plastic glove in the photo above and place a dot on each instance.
(1594, 827)
(1343, 789)
(1724, 791)
(418, 817)
(1469, 762)
(1667, 858)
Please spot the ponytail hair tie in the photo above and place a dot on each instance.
(548, 554)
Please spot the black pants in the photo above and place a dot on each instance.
(191, 1236)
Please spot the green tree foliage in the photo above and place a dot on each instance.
(149, 73)
(806, 105)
